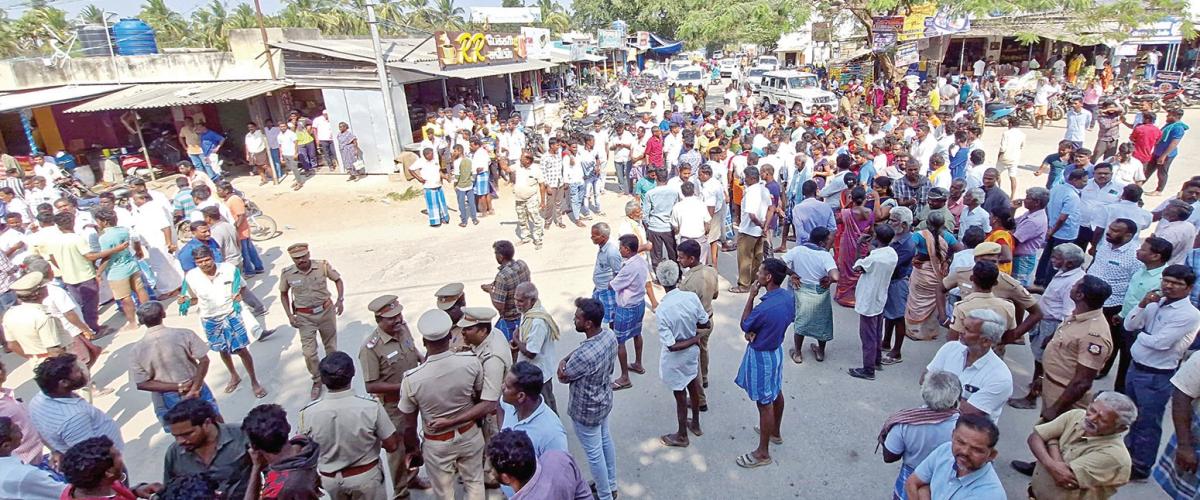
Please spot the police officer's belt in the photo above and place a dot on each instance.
(352, 471)
(448, 435)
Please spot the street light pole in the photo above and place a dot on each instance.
(262, 30)
(384, 87)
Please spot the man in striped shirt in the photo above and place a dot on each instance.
(62, 418)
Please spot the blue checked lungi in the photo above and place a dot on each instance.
(608, 298)
(627, 322)
(435, 203)
(727, 225)
(897, 299)
(814, 313)
(508, 327)
(226, 333)
(482, 187)
(170, 399)
(899, 493)
(761, 374)
(1175, 485)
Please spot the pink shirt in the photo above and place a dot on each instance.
(30, 451)
(630, 282)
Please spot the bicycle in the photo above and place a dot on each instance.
(262, 226)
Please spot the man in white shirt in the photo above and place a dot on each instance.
(978, 67)
(1041, 100)
(1012, 144)
(712, 191)
(870, 295)
(673, 146)
(272, 133)
(923, 147)
(621, 146)
(756, 204)
(429, 174)
(986, 380)
(625, 95)
(287, 154)
(324, 137)
(973, 214)
(256, 151)
(690, 218)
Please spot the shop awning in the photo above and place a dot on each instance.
(164, 95)
(480, 71)
(55, 95)
(851, 56)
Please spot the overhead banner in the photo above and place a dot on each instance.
(610, 39)
(537, 41)
(643, 40)
(461, 49)
(884, 30)
(927, 20)
(907, 53)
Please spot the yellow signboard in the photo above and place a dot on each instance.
(914, 22)
(463, 49)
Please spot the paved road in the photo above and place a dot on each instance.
(384, 246)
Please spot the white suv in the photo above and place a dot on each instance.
(787, 87)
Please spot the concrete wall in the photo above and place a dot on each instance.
(244, 61)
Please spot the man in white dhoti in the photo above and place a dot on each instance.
(678, 314)
(152, 223)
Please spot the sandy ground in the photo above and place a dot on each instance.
(383, 245)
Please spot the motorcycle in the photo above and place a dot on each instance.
(998, 113)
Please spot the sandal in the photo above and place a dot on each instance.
(774, 439)
(1022, 403)
(796, 356)
(621, 387)
(748, 461)
(738, 289)
(888, 359)
(694, 428)
(817, 353)
(639, 369)
(672, 441)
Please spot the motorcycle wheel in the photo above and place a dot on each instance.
(1054, 114)
(262, 228)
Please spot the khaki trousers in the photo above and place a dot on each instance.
(703, 333)
(463, 454)
(749, 256)
(395, 460)
(309, 325)
(365, 486)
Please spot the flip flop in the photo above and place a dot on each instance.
(1022, 403)
(796, 356)
(260, 393)
(672, 441)
(697, 431)
(887, 359)
(817, 353)
(748, 461)
(232, 387)
(621, 387)
(774, 440)
(641, 370)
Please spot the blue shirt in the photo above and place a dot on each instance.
(608, 263)
(1077, 123)
(941, 472)
(209, 140)
(121, 265)
(770, 319)
(906, 249)
(656, 208)
(866, 174)
(187, 262)
(1170, 132)
(1064, 199)
(811, 214)
(543, 427)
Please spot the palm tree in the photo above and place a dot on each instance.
(92, 14)
(554, 16)
(512, 3)
(243, 16)
(209, 26)
(443, 14)
(170, 28)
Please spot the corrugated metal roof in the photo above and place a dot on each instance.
(394, 50)
(476, 72)
(53, 95)
(163, 95)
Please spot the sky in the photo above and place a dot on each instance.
(130, 8)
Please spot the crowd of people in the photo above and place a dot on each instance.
(899, 214)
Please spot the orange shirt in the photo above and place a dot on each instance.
(237, 208)
(1005, 239)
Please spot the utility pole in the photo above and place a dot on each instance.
(262, 30)
(384, 87)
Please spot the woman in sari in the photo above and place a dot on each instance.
(1003, 226)
(853, 243)
(924, 312)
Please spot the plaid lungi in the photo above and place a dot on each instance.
(226, 333)
(814, 313)
(727, 225)
(761, 374)
(608, 298)
(1175, 485)
(435, 204)
(627, 322)
(482, 187)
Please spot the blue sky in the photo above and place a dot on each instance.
(128, 8)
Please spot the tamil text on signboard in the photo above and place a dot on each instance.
(462, 48)
(609, 39)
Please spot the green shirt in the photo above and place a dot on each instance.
(643, 186)
(1142, 282)
(466, 175)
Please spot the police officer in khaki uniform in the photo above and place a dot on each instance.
(1077, 351)
(388, 352)
(493, 351)
(983, 278)
(445, 390)
(350, 430)
(306, 300)
(450, 298)
(1026, 308)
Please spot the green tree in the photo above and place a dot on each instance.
(658, 16)
(760, 22)
(512, 3)
(170, 28)
(443, 14)
(92, 14)
(243, 16)
(209, 26)
(554, 16)
(40, 28)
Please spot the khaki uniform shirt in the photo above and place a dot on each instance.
(1007, 288)
(980, 300)
(496, 358)
(701, 280)
(1100, 463)
(166, 355)
(349, 428)
(447, 383)
(33, 328)
(1081, 339)
(386, 358)
(308, 289)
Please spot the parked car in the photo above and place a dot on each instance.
(691, 75)
(788, 87)
(674, 66)
(771, 62)
(727, 66)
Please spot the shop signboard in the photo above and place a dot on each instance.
(884, 31)
(609, 39)
(1166, 81)
(927, 20)
(907, 53)
(461, 49)
(537, 41)
(643, 40)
